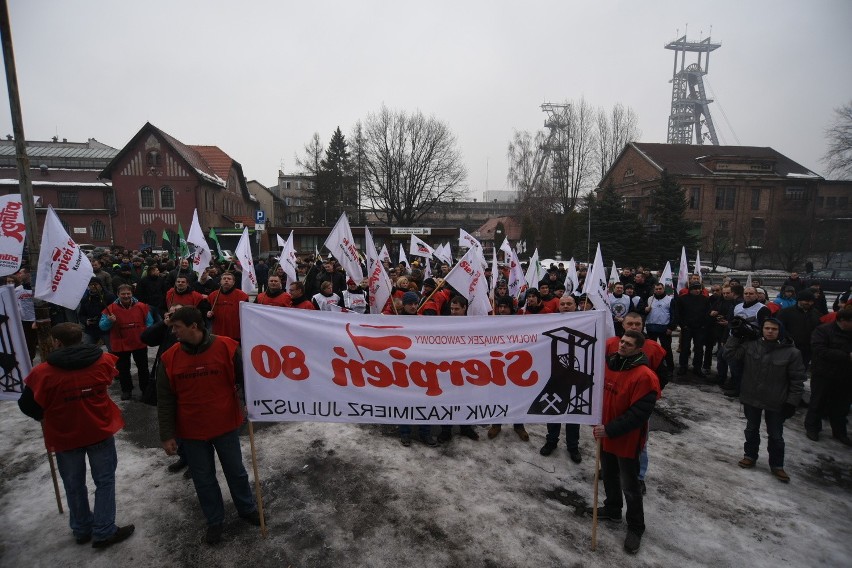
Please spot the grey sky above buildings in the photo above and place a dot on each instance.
(258, 78)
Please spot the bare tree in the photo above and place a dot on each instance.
(838, 156)
(528, 161)
(410, 163)
(614, 131)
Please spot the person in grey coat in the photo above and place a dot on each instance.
(772, 384)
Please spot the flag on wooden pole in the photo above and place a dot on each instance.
(63, 271)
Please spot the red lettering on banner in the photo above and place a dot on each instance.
(289, 361)
(9, 221)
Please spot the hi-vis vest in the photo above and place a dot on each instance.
(750, 313)
(355, 301)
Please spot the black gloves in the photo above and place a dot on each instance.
(788, 410)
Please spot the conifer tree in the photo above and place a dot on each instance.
(668, 217)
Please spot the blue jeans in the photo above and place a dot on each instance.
(774, 429)
(572, 435)
(72, 468)
(199, 457)
(423, 430)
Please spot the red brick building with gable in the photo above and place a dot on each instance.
(158, 181)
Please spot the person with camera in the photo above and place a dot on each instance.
(772, 384)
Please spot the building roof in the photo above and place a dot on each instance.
(90, 154)
(512, 227)
(55, 177)
(689, 159)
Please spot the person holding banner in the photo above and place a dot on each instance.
(458, 307)
(69, 395)
(197, 403)
(631, 390)
(126, 319)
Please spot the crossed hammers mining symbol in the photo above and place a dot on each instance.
(551, 403)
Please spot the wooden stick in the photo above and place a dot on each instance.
(258, 495)
(53, 475)
(595, 499)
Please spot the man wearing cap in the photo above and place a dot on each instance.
(800, 321)
(354, 298)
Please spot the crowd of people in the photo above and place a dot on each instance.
(763, 350)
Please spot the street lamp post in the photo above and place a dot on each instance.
(324, 213)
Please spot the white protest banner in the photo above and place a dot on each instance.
(535, 271)
(199, 251)
(243, 253)
(420, 248)
(402, 257)
(63, 270)
(467, 240)
(14, 358)
(517, 284)
(288, 261)
(572, 282)
(666, 279)
(384, 255)
(697, 269)
(13, 233)
(342, 246)
(682, 271)
(304, 365)
(378, 281)
(613, 277)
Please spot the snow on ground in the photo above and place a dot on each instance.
(351, 495)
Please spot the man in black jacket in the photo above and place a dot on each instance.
(831, 385)
(800, 321)
(693, 312)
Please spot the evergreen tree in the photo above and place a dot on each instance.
(668, 216)
(548, 242)
(570, 242)
(618, 229)
(528, 234)
(337, 177)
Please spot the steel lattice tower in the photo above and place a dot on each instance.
(690, 110)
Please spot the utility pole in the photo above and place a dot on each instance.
(26, 185)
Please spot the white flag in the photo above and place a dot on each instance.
(467, 240)
(13, 233)
(378, 282)
(666, 279)
(402, 257)
(748, 283)
(535, 271)
(506, 247)
(287, 260)
(419, 248)
(243, 254)
(444, 254)
(698, 265)
(63, 270)
(342, 246)
(613, 276)
(468, 279)
(281, 242)
(495, 270)
(427, 270)
(199, 251)
(517, 283)
(595, 289)
(572, 282)
(384, 255)
(682, 271)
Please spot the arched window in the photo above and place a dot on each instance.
(98, 230)
(146, 198)
(167, 197)
(149, 237)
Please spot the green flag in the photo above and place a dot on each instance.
(184, 248)
(166, 239)
(215, 237)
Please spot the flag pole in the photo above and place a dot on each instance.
(595, 499)
(257, 492)
(53, 473)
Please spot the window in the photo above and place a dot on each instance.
(149, 237)
(109, 202)
(755, 198)
(288, 219)
(153, 159)
(726, 197)
(842, 202)
(287, 201)
(299, 218)
(68, 199)
(794, 193)
(695, 197)
(628, 173)
(758, 231)
(298, 202)
(635, 203)
(167, 197)
(820, 202)
(98, 230)
(830, 202)
(146, 198)
(286, 185)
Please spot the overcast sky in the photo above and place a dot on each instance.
(258, 78)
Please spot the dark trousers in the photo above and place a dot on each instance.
(621, 476)
(140, 357)
(572, 435)
(831, 400)
(774, 430)
(692, 338)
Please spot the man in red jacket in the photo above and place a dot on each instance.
(225, 310)
(68, 394)
(630, 392)
(126, 319)
(197, 402)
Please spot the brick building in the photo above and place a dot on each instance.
(746, 203)
(158, 181)
(64, 175)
